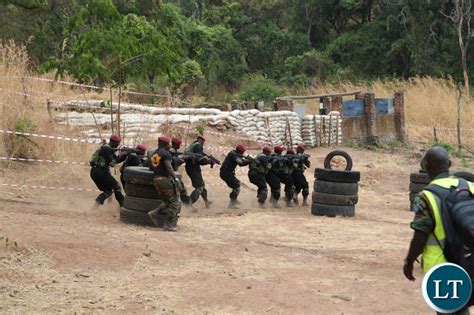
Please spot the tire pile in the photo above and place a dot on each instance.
(141, 197)
(335, 191)
(418, 181)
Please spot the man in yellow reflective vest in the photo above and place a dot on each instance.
(429, 236)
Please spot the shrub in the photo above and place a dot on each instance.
(260, 88)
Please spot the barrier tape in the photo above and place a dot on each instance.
(5, 158)
(440, 128)
(64, 138)
(49, 187)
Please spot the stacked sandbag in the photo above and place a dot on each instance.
(277, 125)
(326, 129)
(140, 197)
(335, 191)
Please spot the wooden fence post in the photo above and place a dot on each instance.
(316, 136)
(435, 135)
(337, 130)
(330, 130)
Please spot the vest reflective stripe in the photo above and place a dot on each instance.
(433, 253)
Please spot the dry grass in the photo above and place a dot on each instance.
(428, 102)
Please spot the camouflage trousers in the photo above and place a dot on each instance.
(169, 192)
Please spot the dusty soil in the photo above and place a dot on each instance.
(70, 258)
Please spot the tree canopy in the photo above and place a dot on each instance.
(207, 46)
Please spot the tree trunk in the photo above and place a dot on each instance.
(111, 111)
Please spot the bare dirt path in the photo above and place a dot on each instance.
(73, 259)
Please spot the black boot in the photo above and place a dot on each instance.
(233, 204)
(171, 225)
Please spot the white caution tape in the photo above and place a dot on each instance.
(49, 187)
(6, 158)
(64, 138)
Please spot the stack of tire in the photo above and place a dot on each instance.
(335, 191)
(140, 197)
(418, 181)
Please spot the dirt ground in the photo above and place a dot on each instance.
(70, 258)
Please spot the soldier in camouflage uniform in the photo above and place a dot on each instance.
(285, 171)
(258, 170)
(272, 176)
(227, 172)
(166, 184)
(301, 184)
(177, 161)
(195, 152)
(101, 161)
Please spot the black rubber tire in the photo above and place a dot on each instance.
(326, 187)
(139, 218)
(138, 175)
(344, 154)
(141, 191)
(337, 175)
(336, 200)
(466, 175)
(331, 210)
(141, 204)
(415, 188)
(419, 178)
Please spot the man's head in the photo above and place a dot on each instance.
(278, 149)
(114, 141)
(300, 148)
(176, 143)
(163, 142)
(290, 151)
(436, 161)
(201, 139)
(267, 150)
(141, 148)
(240, 148)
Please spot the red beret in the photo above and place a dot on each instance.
(115, 138)
(164, 139)
(301, 147)
(290, 151)
(141, 147)
(241, 148)
(267, 149)
(200, 138)
(279, 149)
(176, 140)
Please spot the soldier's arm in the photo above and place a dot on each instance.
(169, 168)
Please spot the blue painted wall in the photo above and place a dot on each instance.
(354, 108)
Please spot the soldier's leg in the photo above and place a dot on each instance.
(305, 191)
(114, 186)
(98, 176)
(262, 190)
(298, 183)
(207, 202)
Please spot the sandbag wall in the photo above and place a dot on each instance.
(267, 127)
(319, 130)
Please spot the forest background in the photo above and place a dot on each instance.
(219, 50)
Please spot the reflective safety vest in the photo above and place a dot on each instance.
(433, 252)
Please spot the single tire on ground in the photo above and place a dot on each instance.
(139, 218)
(141, 191)
(419, 178)
(331, 155)
(327, 187)
(331, 210)
(336, 200)
(138, 175)
(141, 204)
(337, 175)
(415, 188)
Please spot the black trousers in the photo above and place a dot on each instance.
(195, 174)
(274, 182)
(106, 183)
(232, 182)
(287, 180)
(258, 179)
(300, 182)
